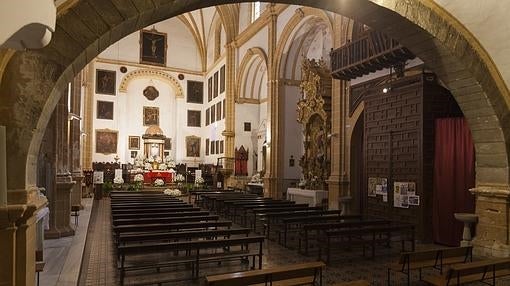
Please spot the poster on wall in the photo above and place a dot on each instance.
(371, 186)
(404, 194)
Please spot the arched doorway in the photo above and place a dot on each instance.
(33, 81)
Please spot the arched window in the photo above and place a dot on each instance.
(255, 11)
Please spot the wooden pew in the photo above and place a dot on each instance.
(347, 223)
(364, 236)
(353, 283)
(209, 200)
(296, 274)
(436, 258)
(485, 271)
(160, 214)
(163, 220)
(223, 252)
(178, 235)
(147, 205)
(187, 208)
(263, 214)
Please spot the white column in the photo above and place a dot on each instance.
(3, 168)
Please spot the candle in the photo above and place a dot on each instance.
(3, 168)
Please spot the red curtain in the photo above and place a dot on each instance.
(454, 175)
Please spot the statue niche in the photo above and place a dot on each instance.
(314, 113)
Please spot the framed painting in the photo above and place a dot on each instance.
(217, 142)
(221, 146)
(168, 144)
(222, 79)
(224, 108)
(207, 119)
(150, 115)
(195, 92)
(209, 89)
(192, 146)
(104, 110)
(105, 82)
(215, 85)
(218, 111)
(153, 47)
(134, 154)
(134, 142)
(207, 147)
(194, 118)
(212, 147)
(106, 141)
(213, 113)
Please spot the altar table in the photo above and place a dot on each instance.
(311, 197)
(151, 176)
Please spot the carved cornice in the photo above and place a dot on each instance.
(145, 66)
(153, 74)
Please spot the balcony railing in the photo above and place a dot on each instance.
(373, 52)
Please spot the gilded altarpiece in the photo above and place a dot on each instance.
(314, 113)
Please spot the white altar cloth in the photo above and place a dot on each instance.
(311, 197)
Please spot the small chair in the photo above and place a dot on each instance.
(75, 211)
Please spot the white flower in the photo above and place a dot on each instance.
(179, 178)
(150, 160)
(162, 166)
(148, 166)
(138, 170)
(172, 192)
(138, 178)
(158, 159)
(199, 180)
(159, 183)
(118, 180)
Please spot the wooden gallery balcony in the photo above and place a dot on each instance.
(373, 51)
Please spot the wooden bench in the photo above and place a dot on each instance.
(435, 258)
(194, 250)
(180, 235)
(353, 283)
(156, 210)
(485, 271)
(170, 213)
(296, 274)
(170, 219)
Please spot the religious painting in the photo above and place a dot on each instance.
(247, 126)
(104, 110)
(207, 119)
(217, 142)
(221, 146)
(218, 111)
(192, 146)
(213, 113)
(106, 141)
(134, 154)
(194, 118)
(134, 142)
(224, 108)
(207, 147)
(212, 147)
(105, 82)
(151, 93)
(209, 89)
(215, 85)
(150, 115)
(222, 79)
(153, 47)
(168, 143)
(195, 92)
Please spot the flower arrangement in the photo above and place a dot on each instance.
(199, 180)
(150, 160)
(302, 183)
(148, 166)
(158, 159)
(118, 180)
(159, 183)
(138, 170)
(138, 178)
(162, 166)
(172, 192)
(179, 178)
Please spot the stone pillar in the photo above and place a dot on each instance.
(229, 132)
(88, 116)
(492, 230)
(75, 141)
(60, 198)
(273, 181)
(8, 249)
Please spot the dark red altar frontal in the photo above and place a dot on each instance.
(151, 176)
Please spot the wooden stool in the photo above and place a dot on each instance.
(75, 211)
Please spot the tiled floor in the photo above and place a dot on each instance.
(98, 267)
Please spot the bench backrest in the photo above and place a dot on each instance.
(269, 275)
(436, 254)
(483, 268)
(181, 235)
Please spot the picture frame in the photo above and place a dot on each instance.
(213, 113)
(134, 154)
(224, 108)
(192, 146)
(104, 110)
(194, 118)
(212, 147)
(106, 141)
(215, 85)
(207, 147)
(209, 89)
(105, 82)
(195, 92)
(150, 115)
(247, 126)
(222, 79)
(168, 144)
(218, 111)
(207, 118)
(221, 147)
(134, 142)
(153, 47)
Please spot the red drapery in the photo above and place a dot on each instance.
(454, 174)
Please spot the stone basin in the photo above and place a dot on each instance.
(466, 217)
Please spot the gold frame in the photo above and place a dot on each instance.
(133, 147)
(107, 131)
(145, 108)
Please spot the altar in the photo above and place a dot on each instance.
(150, 176)
(311, 197)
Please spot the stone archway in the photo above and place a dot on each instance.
(33, 81)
